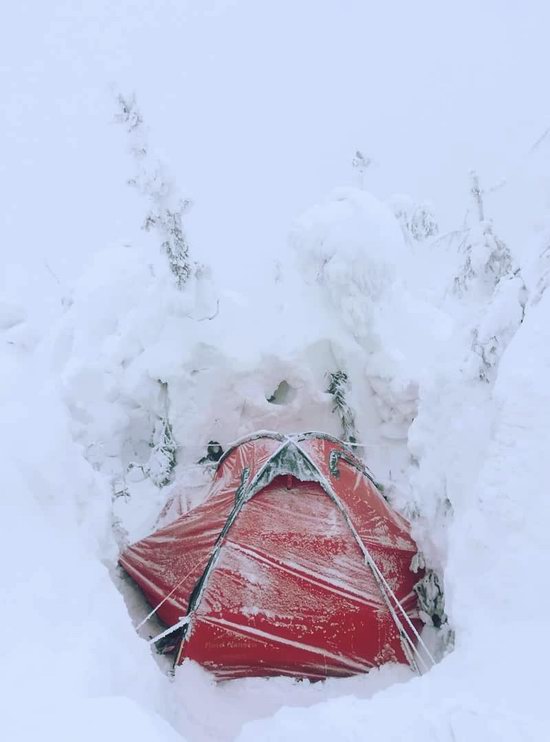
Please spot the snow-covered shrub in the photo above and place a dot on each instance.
(151, 374)
(338, 387)
(162, 461)
(351, 245)
(497, 324)
(417, 220)
(485, 257)
(352, 250)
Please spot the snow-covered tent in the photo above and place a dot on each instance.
(293, 565)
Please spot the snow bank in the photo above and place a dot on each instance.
(70, 659)
(213, 711)
(434, 390)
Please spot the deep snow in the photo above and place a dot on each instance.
(459, 451)
(448, 385)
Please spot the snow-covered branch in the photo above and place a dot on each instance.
(166, 207)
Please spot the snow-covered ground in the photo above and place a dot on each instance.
(113, 380)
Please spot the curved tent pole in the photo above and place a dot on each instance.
(297, 437)
(247, 438)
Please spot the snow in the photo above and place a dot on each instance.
(449, 389)
(492, 685)
(69, 652)
(240, 700)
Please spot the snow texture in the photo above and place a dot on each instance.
(258, 109)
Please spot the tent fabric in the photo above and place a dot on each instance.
(270, 569)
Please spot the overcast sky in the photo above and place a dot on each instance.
(257, 107)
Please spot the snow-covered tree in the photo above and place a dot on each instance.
(361, 164)
(497, 324)
(417, 220)
(166, 207)
(490, 285)
(485, 257)
(163, 457)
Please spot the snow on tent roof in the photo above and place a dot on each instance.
(293, 565)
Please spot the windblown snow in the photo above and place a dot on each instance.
(359, 315)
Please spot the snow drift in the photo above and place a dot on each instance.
(447, 394)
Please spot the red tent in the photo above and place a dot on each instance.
(293, 565)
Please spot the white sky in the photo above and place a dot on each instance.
(257, 107)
